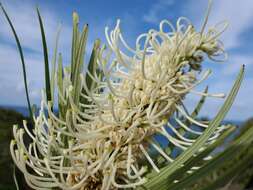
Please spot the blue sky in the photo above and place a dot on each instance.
(136, 17)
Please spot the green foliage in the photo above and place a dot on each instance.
(46, 62)
(54, 60)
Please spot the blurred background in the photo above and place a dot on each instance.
(137, 16)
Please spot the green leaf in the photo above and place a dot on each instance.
(92, 67)
(161, 161)
(232, 173)
(198, 159)
(196, 111)
(237, 147)
(47, 72)
(61, 105)
(22, 61)
(160, 181)
(34, 109)
(79, 64)
(54, 63)
(199, 105)
(91, 70)
(75, 39)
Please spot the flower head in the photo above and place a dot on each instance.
(101, 144)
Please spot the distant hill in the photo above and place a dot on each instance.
(8, 117)
(20, 109)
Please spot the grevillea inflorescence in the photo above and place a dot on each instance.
(99, 143)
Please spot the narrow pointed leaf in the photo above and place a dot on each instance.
(237, 147)
(22, 61)
(92, 68)
(79, 64)
(199, 105)
(53, 72)
(61, 106)
(229, 175)
(196, 160)
(75, 39)
(45, 52)
(160, 181)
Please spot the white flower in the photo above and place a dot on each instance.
(102, 144)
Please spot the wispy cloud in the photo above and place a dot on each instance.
(24, 17)
(12, 86)
(234, 64)
(28, 30)
(242, 106)
(153, 15)
(27, 25)
(238, 14)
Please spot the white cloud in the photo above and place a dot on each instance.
(12, 86)
(234, 64)
(239, 14)
(27, 26)
(241, 108)
(152, 15)
(24, 17)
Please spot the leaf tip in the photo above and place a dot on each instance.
(75, 17)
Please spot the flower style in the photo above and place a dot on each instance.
(102, 143)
